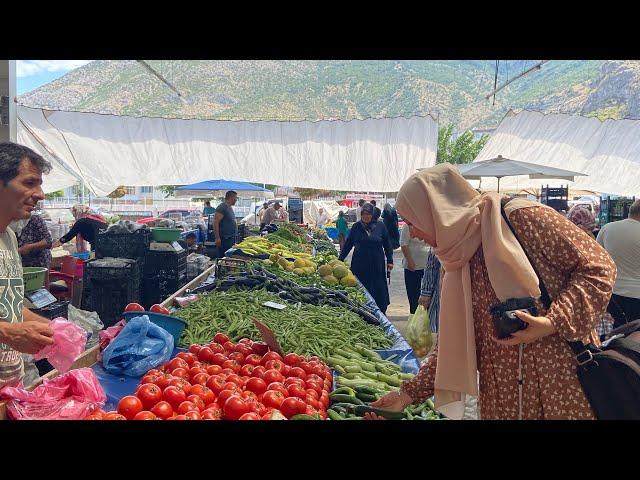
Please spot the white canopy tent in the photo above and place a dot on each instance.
(608, 152)
(108, 150)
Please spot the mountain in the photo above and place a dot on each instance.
(451, 90)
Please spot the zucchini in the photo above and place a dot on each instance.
(341, 398)
(366, 397)
(339, 369)
(388, 414)
(302, 416)
(353, 368)
(344, 390)
(333, 415)
(368, 390)
(430, 404)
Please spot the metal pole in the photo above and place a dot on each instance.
(498, 184)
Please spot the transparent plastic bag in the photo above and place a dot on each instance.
(140, 346)
(90, 321)
(70, 396)
(69, 341)
(419, 332)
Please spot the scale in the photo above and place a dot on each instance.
(39, 298)
(166, 247)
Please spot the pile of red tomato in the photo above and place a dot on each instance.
(229, 381)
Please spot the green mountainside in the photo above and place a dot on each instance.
(450, 90)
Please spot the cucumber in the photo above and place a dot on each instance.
(368, 390)
(406, 376)
(353, 368)
(341, 398)
(333, 415)
(302, 416)
(367, 398)
(430, 404)
(344, 390)
(389, 415)
(339, 369)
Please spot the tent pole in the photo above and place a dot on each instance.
(498, 184)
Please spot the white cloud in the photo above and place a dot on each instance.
(27, 68)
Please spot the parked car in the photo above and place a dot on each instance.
(174, 214)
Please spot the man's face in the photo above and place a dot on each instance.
(22, 194)
(232, 200)
(277, 206)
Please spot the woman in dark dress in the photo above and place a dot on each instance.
(390, 219)
(371, 241)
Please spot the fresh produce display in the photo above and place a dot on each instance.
(262, 246)
(299, 266)
(303, 329)
(223, 380)
(322, 246)
(257, 277)
(351, 410)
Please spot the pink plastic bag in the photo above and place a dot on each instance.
(70, 396)
(69, 341)
(107, 335)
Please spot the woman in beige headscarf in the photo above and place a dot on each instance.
(532, 374)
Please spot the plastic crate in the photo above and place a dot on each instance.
(226, 266)
(109, 268)
(55, 310)
(164, 263)
(158, 289)
(123, 245)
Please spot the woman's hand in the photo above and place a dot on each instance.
(389, 267)
(56, 244)
(537, 328)
(424, 300)
(394, 402)
(411, 265)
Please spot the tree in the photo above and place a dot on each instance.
(463, 149)
(56, 194)
(117, 193)
(168, 190)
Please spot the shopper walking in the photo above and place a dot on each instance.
(370, 243)
(322, 218)
(430, 289)
(415, 253)
(343, 229)
(34, 241)
(622, 240)
(390, 219)
(532, 374)
(224, 223)
(376, 211)
(361, 202)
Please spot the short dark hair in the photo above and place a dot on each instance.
(230, 194)
(373, 202)
(361, 202)
(191, 235)
(207, 203)
(11, 156)
(634, 210)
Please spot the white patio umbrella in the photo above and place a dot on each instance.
(503, 167)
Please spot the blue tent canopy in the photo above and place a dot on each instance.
(218, 188)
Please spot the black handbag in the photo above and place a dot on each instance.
(609, 374)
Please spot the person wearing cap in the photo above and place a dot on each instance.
(271, 214)
(370, 242)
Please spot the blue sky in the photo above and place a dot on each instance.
(31, 74)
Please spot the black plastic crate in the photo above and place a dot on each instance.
(123, 245)
(158, 289)
(108, 298)
(57, 309)
(165, 263)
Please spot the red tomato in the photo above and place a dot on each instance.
(195, 348)
(225, 395)
(206, 355)
(235, 407)
(270, 356)
(259, 348)
(157, 308)
(249, 395)
(296, 391)
(253, 359)
(312, 393)
(162, 410)
(187, 357)
(229, 346)
(149, 394)
(220, 338)
(273, 398)
(176, 363)
(218, 359)
(174, 395)
(250, 416)
(237, 379)
(94, 416)
(205, 393)
(317, 386)
(311, 411)
(197, 401)
(323, 414)
(256, 385)
(129, 406)
(247, 370)
(227, 371)
(327, 385)
(243, 349)
(180, 373)
(149, 378)
(319, 371)
(314, 378)
(279, 387)
(145, 415)
(134, 307)
(247, 341)
(214, 412)
(286, 370)
(193, 415)
(113, 416)
(258, 372)
(298, 372)
(200, 379)
(274, 364)
(193, 371)
(233, 365)
(271, 376)
(164, 380)
(294, 381)
(309, 400)
(214, 369)
(182, 384)
(292, 359)
(187, 406)
(237, 356)
(325, 400)
(292, 406)
(216, 347)
(216, 383)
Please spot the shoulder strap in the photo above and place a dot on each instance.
(577, 347)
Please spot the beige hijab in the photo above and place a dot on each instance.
(457, 220)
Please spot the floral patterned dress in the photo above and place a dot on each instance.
(33, 232)
(579, 276)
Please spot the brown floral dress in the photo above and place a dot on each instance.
(579, 275)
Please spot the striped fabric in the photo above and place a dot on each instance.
(431, 287)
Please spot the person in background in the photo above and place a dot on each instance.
(415, 253)
(208, 209)
(261, 213)
(224, 224)
(370, 241)
(190, 243)
(34, 241)
(87, 226)
(21, 330)
(376, 211)
(361, 202)
(532, 374)
(583, 218)
(343, 229)
(430, 289)
(390, 219)
(622, 240)
(270, 215)
(322, 218)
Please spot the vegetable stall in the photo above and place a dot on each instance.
(279, 330)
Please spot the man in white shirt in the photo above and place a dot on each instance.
(361, 202)
(622, 240)
(322, 218)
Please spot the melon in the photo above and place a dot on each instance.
(325, 270)
(283, 262)
(299, 263)
(330, 279)
(349, 281)
(340, 271)
(290, 267)
(299, 271)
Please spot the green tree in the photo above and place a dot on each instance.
(168, 190)
(56, 194)
(463, 149)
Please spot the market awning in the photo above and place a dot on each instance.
(607, 151)
(217, 188)
(109, 150)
